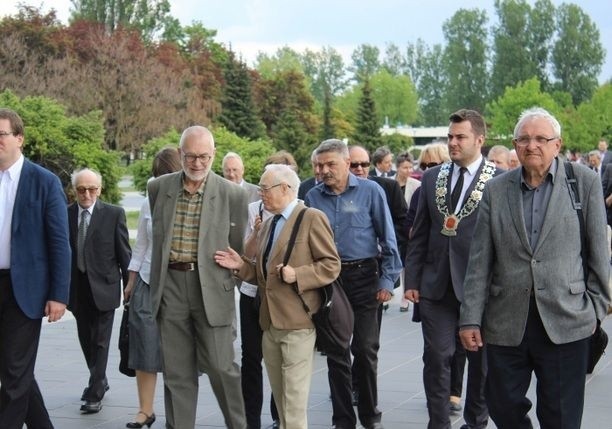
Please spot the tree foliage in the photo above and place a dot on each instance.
(577, 54)
(367, 128)
(395, 98)
(465, 60)
(63, 143)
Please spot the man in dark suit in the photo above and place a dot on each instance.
(194, 213)
(311, 182)
(34, 272)
(100, 258)
(437, 257)
(233, 170)
(382, 158)
(526, 292)
(606, 155)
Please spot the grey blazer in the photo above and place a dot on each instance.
(503, 270)
(222, 224)
(251, 190)
(434, 260)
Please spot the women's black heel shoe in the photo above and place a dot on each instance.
(148, 422)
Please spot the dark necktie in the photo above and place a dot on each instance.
(264, 261)
(457, 190)
(81, 240)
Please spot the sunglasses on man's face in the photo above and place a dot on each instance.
(360, 164)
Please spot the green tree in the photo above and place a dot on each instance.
(518, 44)
(238, 110)
(393, 60)
(465, 60)
(591, 121)
(423, 65)
(63, 143)
(366, 62)
(395, 98)
(503, 113)
(367, 128)
(577, 54)
(285, 59)
(149, 17)
(142, 169)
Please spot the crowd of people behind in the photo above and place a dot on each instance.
(469, 235)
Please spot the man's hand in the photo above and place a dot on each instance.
(470, 338)
(412, 295)
(54, 310)
(383, 295)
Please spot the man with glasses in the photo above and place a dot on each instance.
(34, 272)
(363, 232)
(526, 292)
(100, 257)
(437, 258)
(194, 213)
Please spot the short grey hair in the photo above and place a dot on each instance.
(231, 155)
(537, 113)
(196, 130)
(333, 145)
(75, 175)
(284, 174)
(380, 154)
(595, 153)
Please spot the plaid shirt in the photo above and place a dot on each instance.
(186, 230)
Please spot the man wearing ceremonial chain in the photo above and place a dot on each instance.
(437, 260)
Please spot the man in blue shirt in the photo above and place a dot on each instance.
(363, 232)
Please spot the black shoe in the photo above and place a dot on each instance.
(355, 397)
(91, 407)
(404, 309)
(375, 425)
(86, 390)
(455, 408)
(148, 422)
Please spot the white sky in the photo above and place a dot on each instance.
(251, 26)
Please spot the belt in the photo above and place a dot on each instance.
(182, 266)
(5, 272)
(357, 262)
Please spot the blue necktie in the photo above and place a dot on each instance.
(269, 245)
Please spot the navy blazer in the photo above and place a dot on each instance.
(40, 250)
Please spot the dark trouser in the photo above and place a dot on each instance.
(440, 320)
(360, 282)
(20, 398)
(457, 368)
(251, 372)
(559, 368)
(94, 328)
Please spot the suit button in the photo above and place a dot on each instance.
(533, 262)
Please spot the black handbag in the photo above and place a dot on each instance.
(599, 340)
(334, 320)
(124, 342)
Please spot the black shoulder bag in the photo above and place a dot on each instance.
(599, 339)
(334, 320)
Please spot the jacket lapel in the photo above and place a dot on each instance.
(285, 234)
(515, 204)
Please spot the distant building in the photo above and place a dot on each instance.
(420, 135)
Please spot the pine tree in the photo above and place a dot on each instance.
(238, 112)
(367, 129)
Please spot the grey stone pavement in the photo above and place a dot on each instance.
(62, 375)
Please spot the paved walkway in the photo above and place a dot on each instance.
(62, 374)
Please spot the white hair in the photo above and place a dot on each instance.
(284, 174)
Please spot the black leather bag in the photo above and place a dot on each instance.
(124, 342)
(599, 339)
(334, 320)
(597, 344)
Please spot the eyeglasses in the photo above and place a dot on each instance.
(263, 189)
(82, 189)
(360, 164)
(426, 165)
(6, 133)
(539, 140)
(191, 157)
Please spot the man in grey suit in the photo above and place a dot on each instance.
(195, 212)
(436, 262)
(526, 292)
(233, 170)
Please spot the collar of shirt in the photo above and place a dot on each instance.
(90, 210)
(14, 171)
(471, 169)
(551, 173)
(200, 190)
(353, 182)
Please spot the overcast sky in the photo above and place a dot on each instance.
(251, 26)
